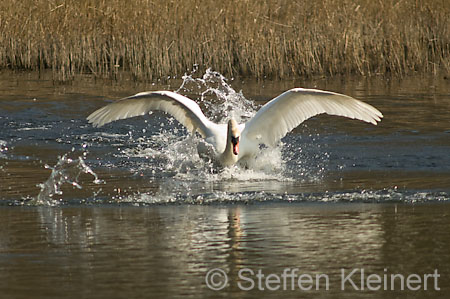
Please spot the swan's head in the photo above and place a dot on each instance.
(234, 134)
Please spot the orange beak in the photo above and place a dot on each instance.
(235, 143)
(236, 148)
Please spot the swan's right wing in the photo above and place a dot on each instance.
(183, 109)
(285, 112)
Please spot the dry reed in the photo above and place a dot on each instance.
(274, 38)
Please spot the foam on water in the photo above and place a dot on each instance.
(180, 195)
(34, 128)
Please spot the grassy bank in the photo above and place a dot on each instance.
(274, 38)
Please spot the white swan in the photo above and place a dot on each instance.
(233, 142)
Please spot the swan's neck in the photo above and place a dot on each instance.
(230, 155)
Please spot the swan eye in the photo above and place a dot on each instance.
(234, 140)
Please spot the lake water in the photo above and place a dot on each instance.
(129, 210)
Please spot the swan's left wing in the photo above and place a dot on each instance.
(285, 112)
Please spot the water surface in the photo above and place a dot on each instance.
(166, 251)
(129, 210)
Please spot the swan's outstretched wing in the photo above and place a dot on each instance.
(285, 112)
(183, 109)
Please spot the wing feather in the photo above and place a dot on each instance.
(285, 112)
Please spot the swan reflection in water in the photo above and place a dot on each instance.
(193, 239)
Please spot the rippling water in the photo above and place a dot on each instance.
(167, 251)
(334, 194)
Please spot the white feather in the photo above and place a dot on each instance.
(271, 123)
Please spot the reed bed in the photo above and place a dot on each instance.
(273, 39)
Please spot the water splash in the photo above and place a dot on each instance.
(66, 171)
(173, 155)
(218, 97)
(3, 148)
